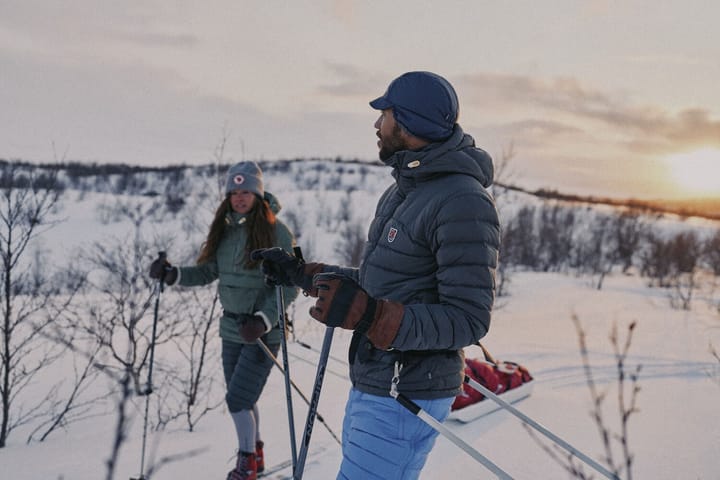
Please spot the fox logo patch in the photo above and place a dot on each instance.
(392, 234)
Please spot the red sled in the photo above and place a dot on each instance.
(508, 380)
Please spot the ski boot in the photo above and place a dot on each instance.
(245, 469)
(259, 456)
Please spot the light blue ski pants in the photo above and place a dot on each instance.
(384, 441)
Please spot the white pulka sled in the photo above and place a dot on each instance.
(486, 406)
(502, 383)
(508, 380)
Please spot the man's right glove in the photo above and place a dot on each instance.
(343, 303)
(281, 268)
(162, 270)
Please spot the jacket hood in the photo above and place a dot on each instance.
(273, 201)
(457, 154)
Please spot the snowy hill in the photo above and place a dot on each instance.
(673, 435)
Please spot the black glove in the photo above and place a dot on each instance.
(162, 270)
(281, 268)
(253, 327)
(343, 303)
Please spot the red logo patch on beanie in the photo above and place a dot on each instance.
(238, 179)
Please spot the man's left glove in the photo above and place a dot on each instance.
(343, 303)
(254, 326)
(161, 269)
(281, 268)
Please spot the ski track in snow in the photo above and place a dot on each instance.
(675, 435)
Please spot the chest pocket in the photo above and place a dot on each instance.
(400, 260)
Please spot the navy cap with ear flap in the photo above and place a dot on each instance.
(424, 103)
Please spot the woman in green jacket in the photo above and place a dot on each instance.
(244, 221)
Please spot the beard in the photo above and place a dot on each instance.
(391, 144)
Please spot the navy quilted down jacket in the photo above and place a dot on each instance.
(432, 246)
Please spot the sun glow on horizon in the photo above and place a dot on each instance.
(696, 172)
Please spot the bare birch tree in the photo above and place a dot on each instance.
(28, 200)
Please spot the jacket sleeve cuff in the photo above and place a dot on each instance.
(385, 326)
(176, 280)
(266, 321)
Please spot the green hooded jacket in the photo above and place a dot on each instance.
(241, 290)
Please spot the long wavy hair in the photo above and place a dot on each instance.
(260, 225)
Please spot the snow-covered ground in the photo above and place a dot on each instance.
(674, 435)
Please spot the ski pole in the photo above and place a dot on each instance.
(529, 421)
(148, 385)
(160, 287)
(415, 409)
(315, 399)
(288, 391)
(436, 425)
(294, 385)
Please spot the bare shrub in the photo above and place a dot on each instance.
(519, 245)
(117, 318)
(714, 353)
(503, 272)
(655, 262)
(555, 237)
(28, 202)
(613, 439)
(503, 176)
(711, 253)
(685, 250)
(595, 250)
(188, 391)
(75, 405)
(628, 229)
(351, 244)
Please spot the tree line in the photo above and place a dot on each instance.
(571, 238)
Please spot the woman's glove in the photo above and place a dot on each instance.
(254, 326)
(343, 303)
(162, 270)
(281, 268)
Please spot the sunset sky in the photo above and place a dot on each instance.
(598, 97)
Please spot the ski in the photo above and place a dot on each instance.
(275, 468)
(287, 464)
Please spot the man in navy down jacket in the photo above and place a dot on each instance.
(426, 284)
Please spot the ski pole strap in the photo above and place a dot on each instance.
(408, 404)
(415, 409)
